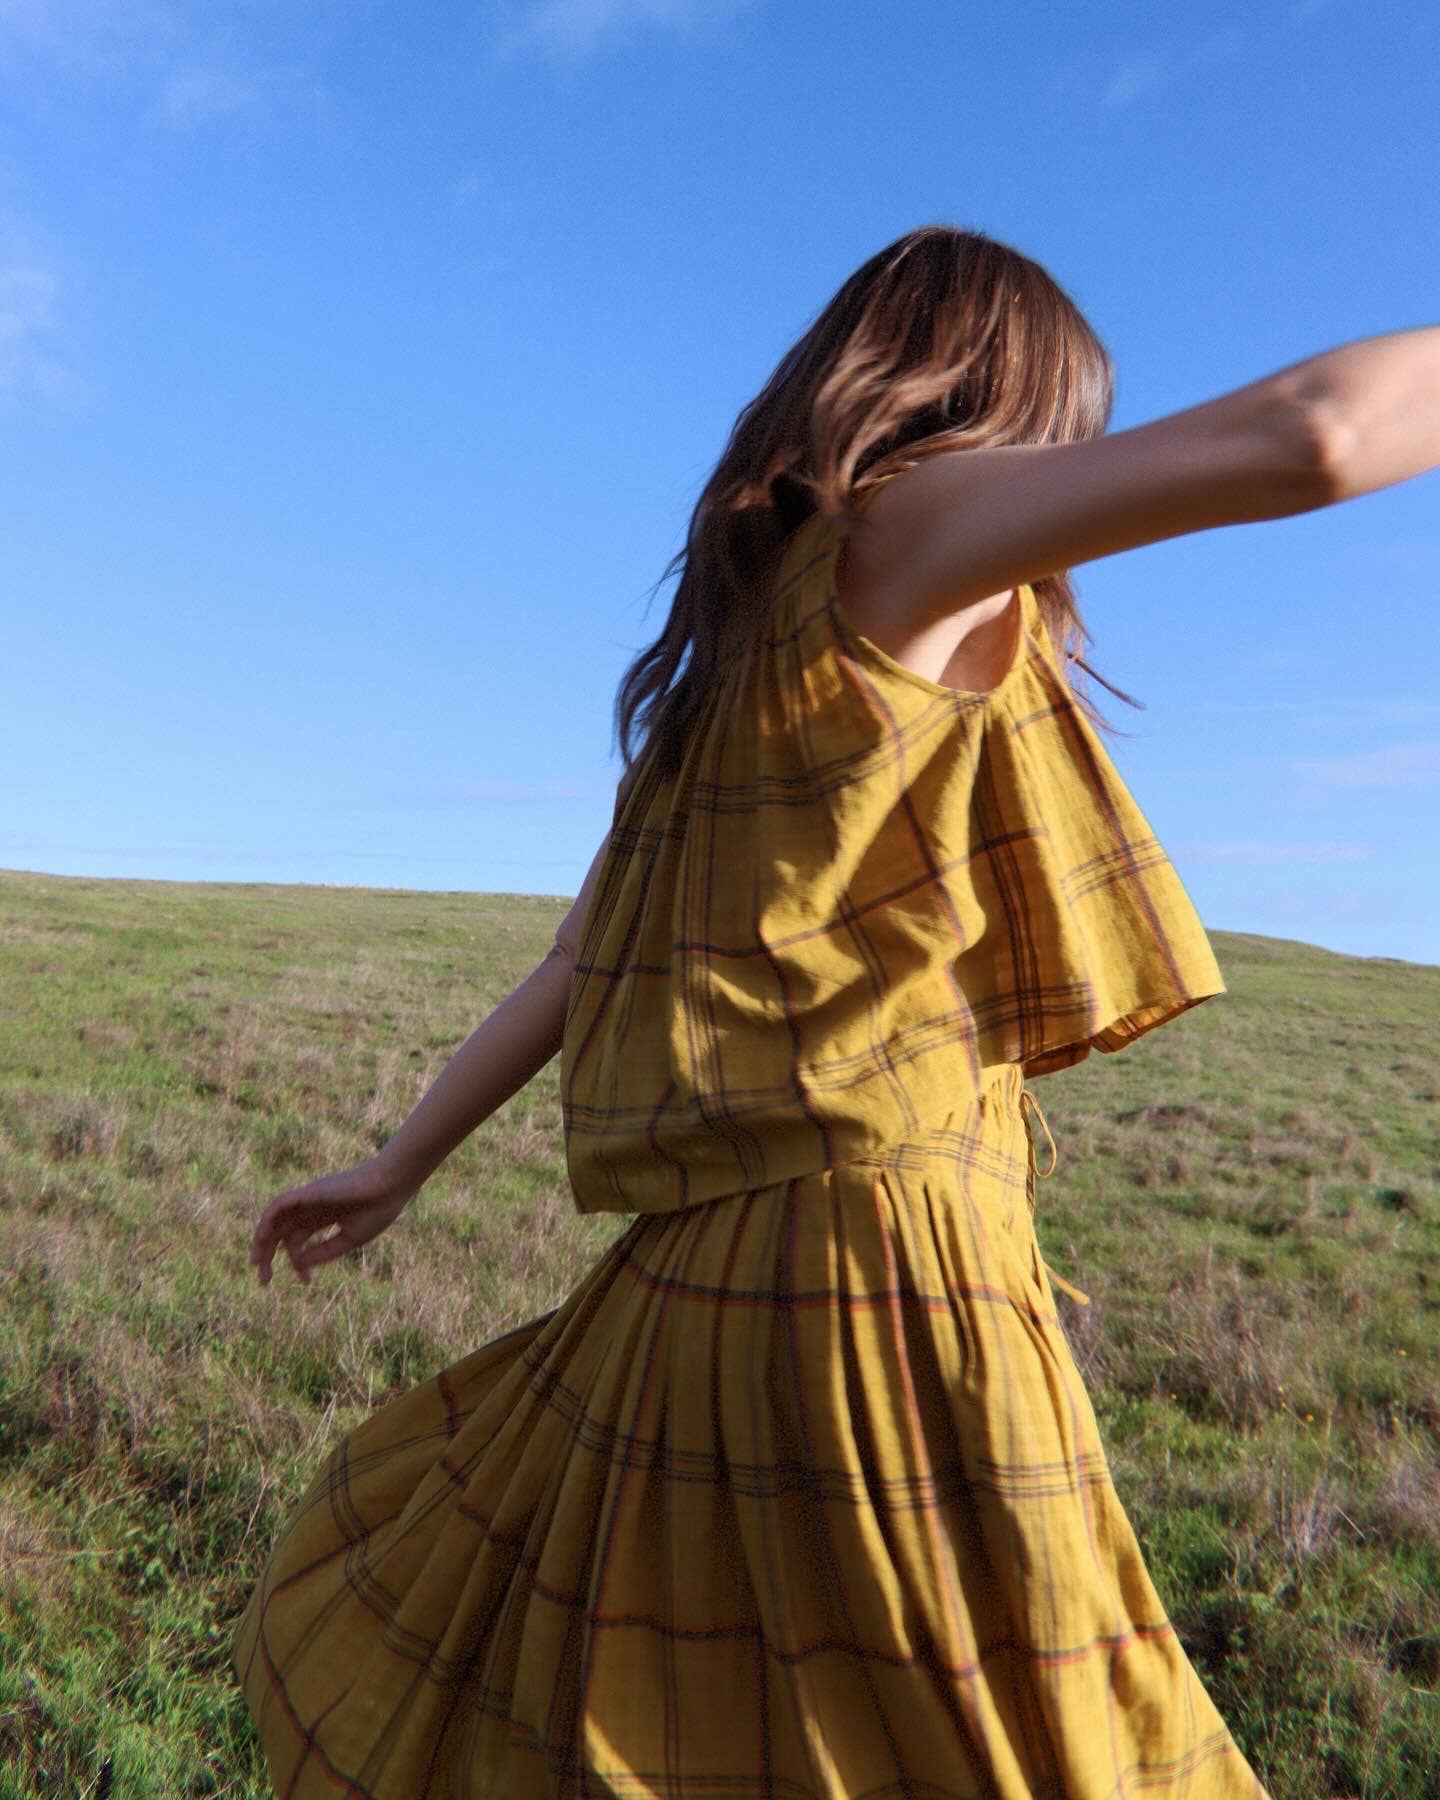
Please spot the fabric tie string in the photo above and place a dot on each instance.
(1035, 1175)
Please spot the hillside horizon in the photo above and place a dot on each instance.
(1250, 1196)
(347, 887)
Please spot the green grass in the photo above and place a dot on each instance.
(1250, 1196)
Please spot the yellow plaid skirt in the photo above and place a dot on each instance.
(798, 1494)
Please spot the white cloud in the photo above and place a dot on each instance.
(88, 38)
(1338, 713)
(201, 854)
(1396, 766)
(479, 791)
(214, 91)
(1261, 851)
(175, 55)
(194, 96)
(570, 28)
(487, 788)
(466, 189)
(27, 305)
(1135, 76)
(1390, 918)
(1221, 44)
(32, 365)
(1119, 77)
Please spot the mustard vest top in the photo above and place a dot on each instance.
(860, 892)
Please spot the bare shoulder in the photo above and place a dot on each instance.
(962, 526)
(877, 577)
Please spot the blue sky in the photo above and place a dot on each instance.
(360, 365)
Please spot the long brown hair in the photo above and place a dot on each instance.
(943, 340)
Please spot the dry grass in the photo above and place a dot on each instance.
(1249, 1196)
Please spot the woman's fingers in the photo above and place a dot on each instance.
(283, 1221)
(262, 1248)
(264, 1238)
(294, 1226)
(295, 1249)
(327, 1249)
(357, 1202)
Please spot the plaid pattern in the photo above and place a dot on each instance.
(861, 893)
(798, 1494)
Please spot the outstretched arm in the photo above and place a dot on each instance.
(965, 525)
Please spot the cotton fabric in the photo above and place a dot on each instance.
(799, 1493)
(862, 891)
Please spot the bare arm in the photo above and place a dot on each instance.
(510, 1046)
(965, 525)
(500, 1056)
(1379, 399)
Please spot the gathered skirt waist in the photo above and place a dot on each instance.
(986, 1137)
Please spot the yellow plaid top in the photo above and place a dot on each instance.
(861, 890)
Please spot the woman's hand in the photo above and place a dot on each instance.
(361, 1202)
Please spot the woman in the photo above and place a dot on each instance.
(800, 1493)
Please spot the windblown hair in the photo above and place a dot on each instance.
(943, 341)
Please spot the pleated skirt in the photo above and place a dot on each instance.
(798, 1494)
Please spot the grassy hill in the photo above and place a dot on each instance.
(1250, 1196)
